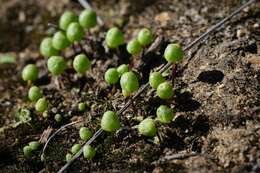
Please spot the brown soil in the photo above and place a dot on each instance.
(217, 98)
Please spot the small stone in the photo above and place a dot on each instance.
(241, 33)
(256, 25)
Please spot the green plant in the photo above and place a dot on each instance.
(125, 93)
(75, 32)
(145, 37)
(129, 82)
(34, 145)
(75, 148)
(114, 38)
(23, 115)
(147, 127)
(123, 68)
(45, 114)
(134, 47)
(68, 157)
(165, 90)
(82, 106)
(88, 18)
(164, 114)
(56, 65)
(110, 121)
(60, 41)
(47, 49)
(155, 79)
(66, 19)
(7, 58)
(84, 133)
(30, 72)
(41, 105)
(81, 63)
(34, 93)
(27, 151)
(111, 76)
(173, 53)
(58, 117)
(88, 152)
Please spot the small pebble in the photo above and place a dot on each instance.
(256, 25)
(241, 33)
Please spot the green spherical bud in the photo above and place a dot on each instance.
(129, 82)
(75, 32)
(122, 69)
(114, 38)
(34, 93)
(45, 114)
(47, 49)
(110, 121)
(134, 47)
(30, 72)
(41, 105)
(60, 41)
(58, 117)
(145, 37)
(165, 90)
(68, 157)
(84, 133)
(173, 53)
(66, 19)
(88, 18)
(88, 152)
(147, 127)
(82, 107)
(75, 148)
(164, 114)
(56, 65)
(156, 79)
(111, 76)
(27, 151)
(34, 145)
(81, 63)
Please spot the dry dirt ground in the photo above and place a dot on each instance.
(217, 100)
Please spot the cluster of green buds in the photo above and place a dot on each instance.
(113, 75)
(173, 54)
(144, 38)
(71, 30)
(30, 148)
(35, 94)
(110, 123)
(88, 151)
(115, 38)
(147, 127)
(164, 90)
(128, 79)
